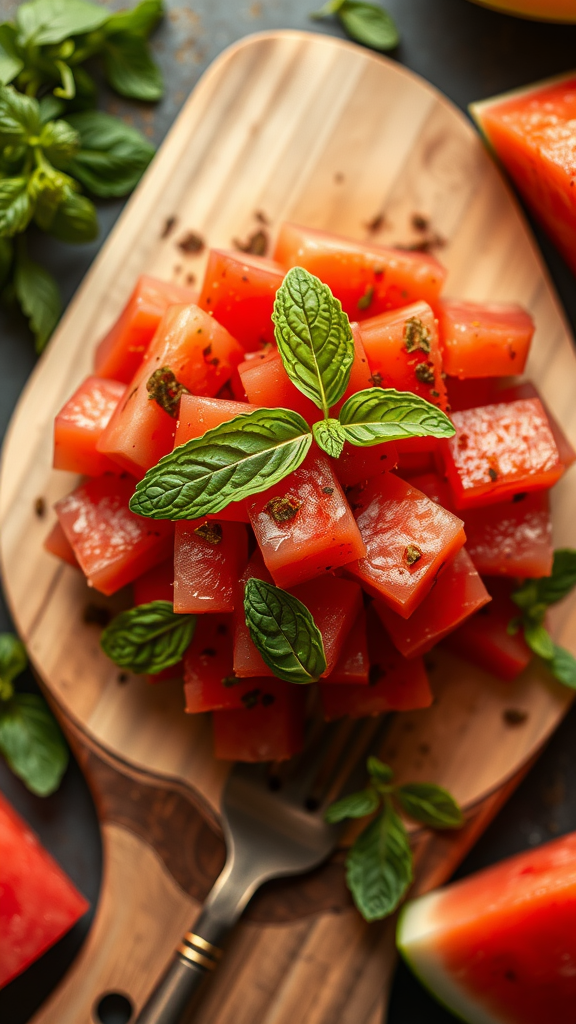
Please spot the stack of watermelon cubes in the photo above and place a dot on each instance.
(392, 548)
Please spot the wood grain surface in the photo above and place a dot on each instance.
(311, 129)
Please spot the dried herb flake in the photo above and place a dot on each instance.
(210, 532)
(412, 554)
(416, 336)
(282, 510)
(164, 388)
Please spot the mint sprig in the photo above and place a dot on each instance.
(314, 338)
(379, 864)
(284, 631)
(533, 599)
(30, 739)
(255, 450)
(148, 638)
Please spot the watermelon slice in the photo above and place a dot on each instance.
(38, 902)
(531, 131)
(499, 947)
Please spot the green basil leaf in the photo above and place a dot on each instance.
(50, 108)
(130, 69)
(32, 743)
(75, 219)
(314, 338)
(384, 414)
(284, 632)
(379, 771)
(430, 804)
(16, 206)
(60, 142)
(113, 156)
(19, 117)
(539, 640)
(563, 666)
(6, 259)
(11, 62)
(52, 21)
(141, 20)
(148, 638)
(329, 437)
(379, 866)
(244, 456)
(39, 297)
(13, 661)
(368, 24)
(357, 805)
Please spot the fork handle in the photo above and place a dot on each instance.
(194, 959)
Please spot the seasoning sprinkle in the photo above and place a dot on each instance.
(210, 532)
(164, 388)
(416, 336)
(425, 373)
(282, 510)
(412, 554)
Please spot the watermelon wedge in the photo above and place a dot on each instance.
(531, 130)
(499, 947)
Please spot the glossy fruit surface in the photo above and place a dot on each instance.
(499, 947)
(38, 902)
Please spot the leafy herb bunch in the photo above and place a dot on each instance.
(46, 160)
(379, 863)
(30, 739)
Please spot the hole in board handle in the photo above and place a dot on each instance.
(113, 1008)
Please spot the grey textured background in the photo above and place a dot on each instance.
(469, 53)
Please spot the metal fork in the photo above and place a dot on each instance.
(273, 822)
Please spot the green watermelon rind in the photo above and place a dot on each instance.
(450, 995)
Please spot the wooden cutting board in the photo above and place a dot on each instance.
(284, 125)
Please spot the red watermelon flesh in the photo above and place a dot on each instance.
(532, 132)
(499, 947)
(38, 902)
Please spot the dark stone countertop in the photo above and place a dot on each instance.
(469, 53)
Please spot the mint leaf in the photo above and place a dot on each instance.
(19, 117)
(32, 743)
(284, 632)
(379, 771)
(379, 866)
(60, 142)
(130, 69)
(13, 661)
(52, 21)
(328, 435)
(429, 804)
(547, 590)
(148, 638)
(384, 414)
(139, 21)
(563, 666)
(539, 640)
(38, 295)
(357, 805)
(314, 338)
(113, 156)
(74, 219)
(11, 62)
(244, 456)
(368, 24)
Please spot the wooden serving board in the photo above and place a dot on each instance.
(284, 125)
